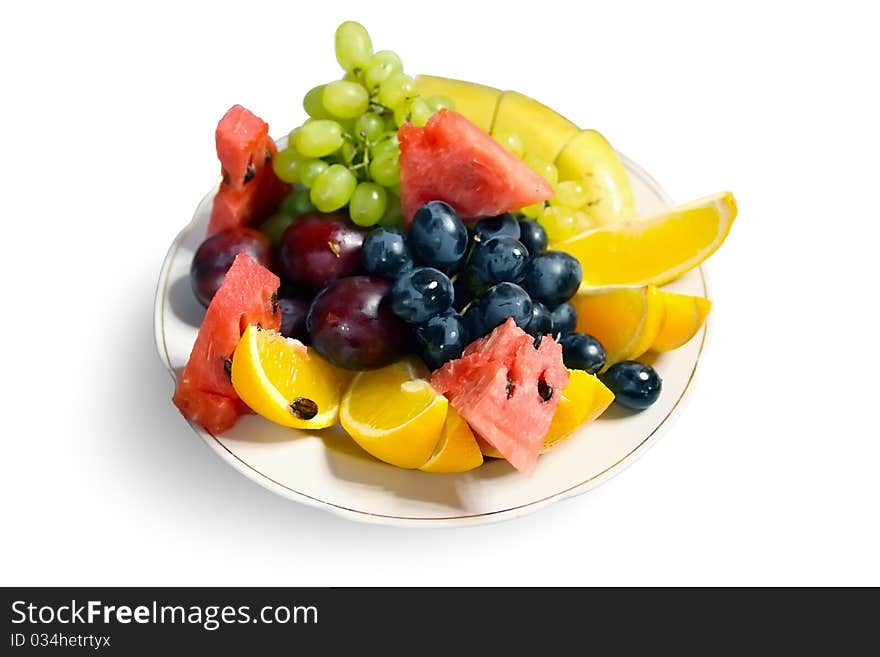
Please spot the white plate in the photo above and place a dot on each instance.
(327, 470)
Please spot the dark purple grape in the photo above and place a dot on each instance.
(317, 249)
(215, 256)
(293, 318)
(350, 323)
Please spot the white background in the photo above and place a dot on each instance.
(769, 477)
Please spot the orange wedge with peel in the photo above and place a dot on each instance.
(684, 316)
(285, 381)
(626, 321)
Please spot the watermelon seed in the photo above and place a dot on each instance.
(274, 302)
(225, 175)
(508, 390)
(268, 156)
(304, 408)
(227, 367)
(250, 172)
(545, 390)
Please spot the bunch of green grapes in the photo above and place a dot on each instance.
(346, 153)
(563, 216)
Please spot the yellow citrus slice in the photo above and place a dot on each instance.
(625, 320)
(394, 414)
(653, 250)
(683, 317)
(285, 381)
(457, 450)
(584, 399)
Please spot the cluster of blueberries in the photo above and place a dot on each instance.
(455, 285)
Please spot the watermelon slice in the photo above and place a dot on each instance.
(204, 391)
(250, 191)
(452, 160)
(507, 390)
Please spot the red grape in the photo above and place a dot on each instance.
(352, 326)
(317, 249)
(293, 318)
(215, 255)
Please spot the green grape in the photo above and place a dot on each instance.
(311, 169)
(511, 142)
(543, 168)
(291, 137)
(583, 222)
(533, 211)
(393, 217)
(347, 152)
(274, 227)
(402, 114)
(420, 112)
(396, 90)
(559, 222)
(287, 165)
(313, 103)
(381, 66)
(346, 99)
(353, 46)
(296, 203)
(388, 145)
(333, 188)
(569, 193)
(369, 127)
(368, 203)
(318, 138)
(385, 170)
(437, 103)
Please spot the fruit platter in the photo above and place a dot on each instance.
(432, 301)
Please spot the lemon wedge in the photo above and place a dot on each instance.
(656, 249)
(457, 450)
(394, 414)
(584, 399)
(285, 381)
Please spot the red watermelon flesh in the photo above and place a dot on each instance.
(507, 390)
(204, 391)
(250, 191)
(452, 160)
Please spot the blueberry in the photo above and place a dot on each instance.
(473, 320)
(421, 293)
(385, 253)
(442, 338)
(502, 301)
(533, 235)
(438, 238)
(582, 352)
(541, 321)
(498, 260)
(504, 225)
(564, 319)
(552, 277)
(634, 385)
